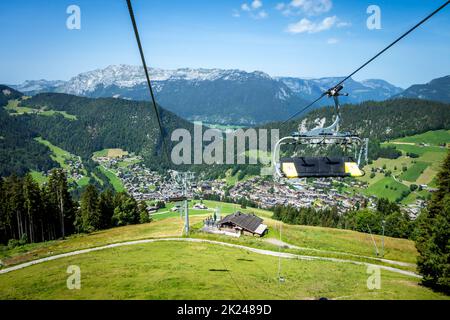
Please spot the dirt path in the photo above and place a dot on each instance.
(254, 250)
(278, 242)
(404, 143)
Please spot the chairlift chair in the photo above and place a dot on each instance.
(322, 166)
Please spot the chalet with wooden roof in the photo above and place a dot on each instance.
(243, 223)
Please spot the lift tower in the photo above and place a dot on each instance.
(185, 179)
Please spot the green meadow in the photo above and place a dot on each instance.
(421, 170)
(15, 108)
(179, 270)
(175, 270)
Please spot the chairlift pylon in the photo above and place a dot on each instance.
(322, 166)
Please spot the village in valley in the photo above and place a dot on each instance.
(152, 187)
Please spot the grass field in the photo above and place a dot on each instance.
(231, 180)
(328, 239)
(195, 271)
(413, 196)
(171, 227)
(53, 112)
(414, 172)
(201, 271)
(415, 148)
(420, 171)
(59, 155)
(110, 153)
(14, 109)
(128, 162)
(387, 188)
(170, 224)
(38, 177)
(115, 181)
(435, 138)
(101, 153)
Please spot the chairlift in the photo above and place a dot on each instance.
(301, 166)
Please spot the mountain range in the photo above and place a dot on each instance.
(437, 90)
(224, 96)
(372, 89)
(82, 126)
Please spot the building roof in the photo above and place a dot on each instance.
(248, 222)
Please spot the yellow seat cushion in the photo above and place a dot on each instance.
(353, 169)
(289, 170)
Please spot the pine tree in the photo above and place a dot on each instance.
(32, 205)
(59, 196)
(106, 208)
(433, 239)
(144, 216)
(88, 216)
(15, 205)
(126, 210)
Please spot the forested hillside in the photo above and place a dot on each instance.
(102, 123)
(437, 90)
(378, 121)
(7, 93)
(83, 126)
(19, 152)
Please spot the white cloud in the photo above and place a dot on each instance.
(245, 7)
(280, 6)
(306, 25)
(256, 4)
(308, 7)
(262, 14)
(343, 24)
(254, 10)
(332, 41)
(236, 14)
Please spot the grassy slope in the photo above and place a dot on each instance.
(168, 228)
(175, 275)
(432, 137)
(170, 224)
(14, 109)
(38, 177)
(421, 170)
(115, 181)
(313, 237)
(160, 271)
(392, 192)
(110, 174)
(59, 155)
(414, 172)
(110, 153)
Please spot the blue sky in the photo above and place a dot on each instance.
(304, 38)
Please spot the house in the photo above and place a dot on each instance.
(152, 209)
(205, 187)
(200, 206)
(243, 223)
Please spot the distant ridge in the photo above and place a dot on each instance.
(437, 90)
(212, 95)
